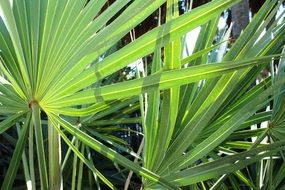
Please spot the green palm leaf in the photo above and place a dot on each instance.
(59, 62)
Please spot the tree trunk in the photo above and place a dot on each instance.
(240, 17)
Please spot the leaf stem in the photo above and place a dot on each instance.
(36, 117)
(54, 150)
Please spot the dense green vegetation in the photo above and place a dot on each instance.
(69, 99)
